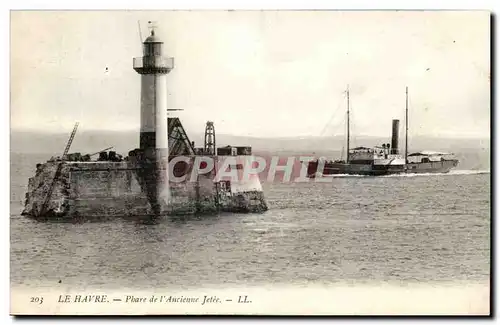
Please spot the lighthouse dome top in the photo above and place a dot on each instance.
(153, 38)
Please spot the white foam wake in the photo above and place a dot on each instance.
(342, 175)
(450, 173)
(468, 172)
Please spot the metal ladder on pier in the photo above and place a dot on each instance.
(58, 170)
(68, 145)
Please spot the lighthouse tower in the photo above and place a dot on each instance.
(153, 67)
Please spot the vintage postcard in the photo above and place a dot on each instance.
(250, 162)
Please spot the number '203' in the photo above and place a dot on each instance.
(38, 300)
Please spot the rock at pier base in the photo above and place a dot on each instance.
(106, 190)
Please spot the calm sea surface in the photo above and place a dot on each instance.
(433, 228)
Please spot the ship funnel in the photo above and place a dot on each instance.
(395, 137)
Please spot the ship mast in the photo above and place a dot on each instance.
(406, 132)
(348, 126)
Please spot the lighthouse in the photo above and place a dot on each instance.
(153, 67)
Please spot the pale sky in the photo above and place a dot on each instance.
(257, 73)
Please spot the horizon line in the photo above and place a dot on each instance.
(256, 136)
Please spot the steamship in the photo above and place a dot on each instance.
(384, 159)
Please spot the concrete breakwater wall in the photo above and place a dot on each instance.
(112, 189)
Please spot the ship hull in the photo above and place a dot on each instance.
(353, 169)
(437, 167)
(433, 167)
